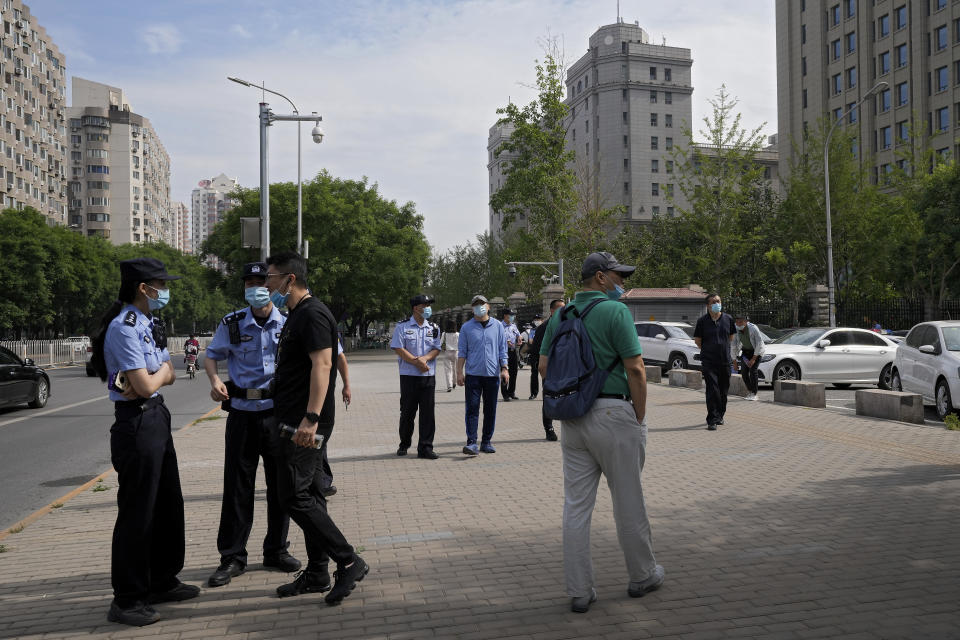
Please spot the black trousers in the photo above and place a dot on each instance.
(509, 389)
(716, 376)
(417, 394)
(300, 495)
(148, 537)
(534, 375)
(250, 435)
(748, 373)
(324, 477)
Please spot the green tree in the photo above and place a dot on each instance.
(793, 268)
(476, 267)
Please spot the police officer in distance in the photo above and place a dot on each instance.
(130, 354)
(247, 340)
(416, 342)
(509, 388)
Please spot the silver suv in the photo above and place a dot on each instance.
(668, 344)
(928, 363)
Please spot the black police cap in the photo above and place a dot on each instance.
(144, 270)
(420, 299)
(255, 270)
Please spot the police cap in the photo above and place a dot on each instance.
(420, 299)
(255, 270)
(144, 270)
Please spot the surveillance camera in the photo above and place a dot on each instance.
(512, 270)
(317, 134)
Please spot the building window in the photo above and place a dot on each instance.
(837, 113)
(803, 66)
(940, 37)
(901, 55)
(586, 125)
(900, 17)
(941, 79)
(586, 148)
(835, 48)
(668, 120)
(885, 138)
(940, 4)
(667, 97)
(851, 77)
(803, 95)
(626, 187)
(883, 100)
(943, 119)
(669, 144)
(883, 26)
(653, 73)
(903, 95)
(626, 117)
(653, 119)
(883, 63)
(956, 72)
(803, 34)
(669, 166)
(669, 189)
(654, 166)
(903, 130)
(654, 143)
(656, 210)
(626, 164)
(835, 15)
(851, 8)
(653, 97)
(98, 202)
(852, 109)
(851, 42)
(655, 189)
(626, 142)
(573, 132)
(669, 211)
(668, 75)
(836, 83)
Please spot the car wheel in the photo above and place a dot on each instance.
(43, 392)
(895, 384)
(841, 385)
(678, 361)
(787, 370)
(944, 401)
(886, 378)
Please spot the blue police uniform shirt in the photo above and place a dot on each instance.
(483, 348)
(251, 364)
(129, 345)
(419, 341)
(511, 332)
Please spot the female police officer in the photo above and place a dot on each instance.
(148, 539)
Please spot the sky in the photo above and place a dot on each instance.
(408, 89)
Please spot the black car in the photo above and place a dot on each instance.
(22, 382)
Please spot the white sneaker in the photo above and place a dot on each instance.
(752, 397)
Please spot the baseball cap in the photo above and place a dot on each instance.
(420, 299)
(255, 270)
(478, 298)
(603, 261)
(144, 270)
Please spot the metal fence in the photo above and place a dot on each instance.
(774, 312)
(891, 313)
(50, 353)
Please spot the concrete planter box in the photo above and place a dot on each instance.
(687, 378)
(737, 386)
(804, 394)
(654, 373)
(892, 405)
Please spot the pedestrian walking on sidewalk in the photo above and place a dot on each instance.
(416, 342)
(247, 340)
(481, 368)
(304, 398)
(527, 351)
(746, 350)
(713, 334)
(508, 387)
(609, 439)
(448, 357)
(551, 435)
(130, 354)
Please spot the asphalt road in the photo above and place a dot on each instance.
(45, 453)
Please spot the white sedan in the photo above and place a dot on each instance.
(841, 357)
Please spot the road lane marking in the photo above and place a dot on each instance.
(49, 411)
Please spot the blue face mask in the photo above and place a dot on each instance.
(427, 312)
(163, 297)
(480, 310)
(257, 297)
(616, 292)
(280, 299)
(715, 307)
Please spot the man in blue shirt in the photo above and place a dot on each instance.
(416, 342)
(509, 389)
(481, 365)
(247, 340)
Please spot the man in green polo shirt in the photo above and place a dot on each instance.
(610, 439)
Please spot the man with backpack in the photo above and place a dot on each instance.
(595, 381)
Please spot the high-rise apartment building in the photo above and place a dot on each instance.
(830, 53)
(182, 238)
(32, 116)
(119, 170)
(628, 101)
(209, 202)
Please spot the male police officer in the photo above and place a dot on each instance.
(509, 388)
(247, 340)
(417, 344)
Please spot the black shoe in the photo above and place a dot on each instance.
(551, 435)
(711, 427)
(533, 397)
(306, 581)
(283, 561)
(346, 580)
(139, 615)
(327, 492)
(506, 399)
(428, 454)
(179, 593)
(401, 451)
(225, 572)
(514, 398)
(720, 421)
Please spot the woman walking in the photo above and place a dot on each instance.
(448, 358)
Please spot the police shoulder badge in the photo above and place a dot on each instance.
(246, 338)
(130, 319)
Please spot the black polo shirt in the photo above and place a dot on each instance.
(310, 327)
(715, 338)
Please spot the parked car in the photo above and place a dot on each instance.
(22, 382)
(928, 363)
(668, 344)
(771, 333)
(841, 356)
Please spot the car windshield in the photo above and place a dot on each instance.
(676, 332)
(951, 338)
(801, 337)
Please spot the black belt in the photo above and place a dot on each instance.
(143, 403)
(615, 396)
(248, 394)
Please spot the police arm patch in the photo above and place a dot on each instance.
(130, 319)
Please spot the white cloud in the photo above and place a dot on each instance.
(240, 30)
(162, 38)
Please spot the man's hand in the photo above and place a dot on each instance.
(422, 364)
(218, 390)
(130, 393)
(753, 361)
(461, 382)
(304, 437)
(171, 373)
(347, 395)
(505, 376)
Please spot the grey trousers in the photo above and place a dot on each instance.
(606, 440)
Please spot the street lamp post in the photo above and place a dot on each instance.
(831, 296)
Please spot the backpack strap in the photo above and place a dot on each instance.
(582, 315)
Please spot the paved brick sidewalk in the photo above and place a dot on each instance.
(785, 523)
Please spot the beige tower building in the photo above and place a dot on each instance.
(32, 116)
(831, 53)
(209, 202)
(119, 170)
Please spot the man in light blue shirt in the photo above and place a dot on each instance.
(481, 365)
(416, 342)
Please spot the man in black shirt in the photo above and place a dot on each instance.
(713, 334)
(303, 398)
(535, 362)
